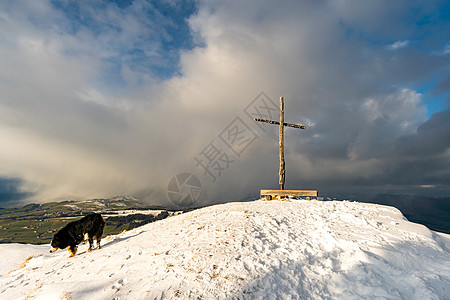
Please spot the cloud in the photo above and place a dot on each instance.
(11, 191)
(104, 100)
(398, 45)
(446, 50)
(431, 139)
(442, 87)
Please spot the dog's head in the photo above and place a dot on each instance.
(58, 243)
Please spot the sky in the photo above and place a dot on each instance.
(105, 98)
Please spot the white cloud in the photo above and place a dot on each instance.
(398, 45)
(403, 105)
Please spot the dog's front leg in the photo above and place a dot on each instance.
(72, 251)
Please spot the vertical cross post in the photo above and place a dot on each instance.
(281, 141)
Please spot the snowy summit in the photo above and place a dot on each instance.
(253, 250)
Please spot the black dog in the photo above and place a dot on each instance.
(74, 233)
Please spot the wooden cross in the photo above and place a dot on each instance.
(281, 141)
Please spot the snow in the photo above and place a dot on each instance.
(120, 213)
(253, 250)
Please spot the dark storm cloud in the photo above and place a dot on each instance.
(11, 192)
(443, 86)
(432, 138)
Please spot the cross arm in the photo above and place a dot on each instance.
(278, 123)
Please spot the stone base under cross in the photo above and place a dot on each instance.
(280, 194)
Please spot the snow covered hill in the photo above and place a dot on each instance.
(254, 250)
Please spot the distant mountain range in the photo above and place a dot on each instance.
(37, 223)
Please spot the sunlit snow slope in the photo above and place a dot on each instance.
(254, 250)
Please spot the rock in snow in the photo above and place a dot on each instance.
(252, 250)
